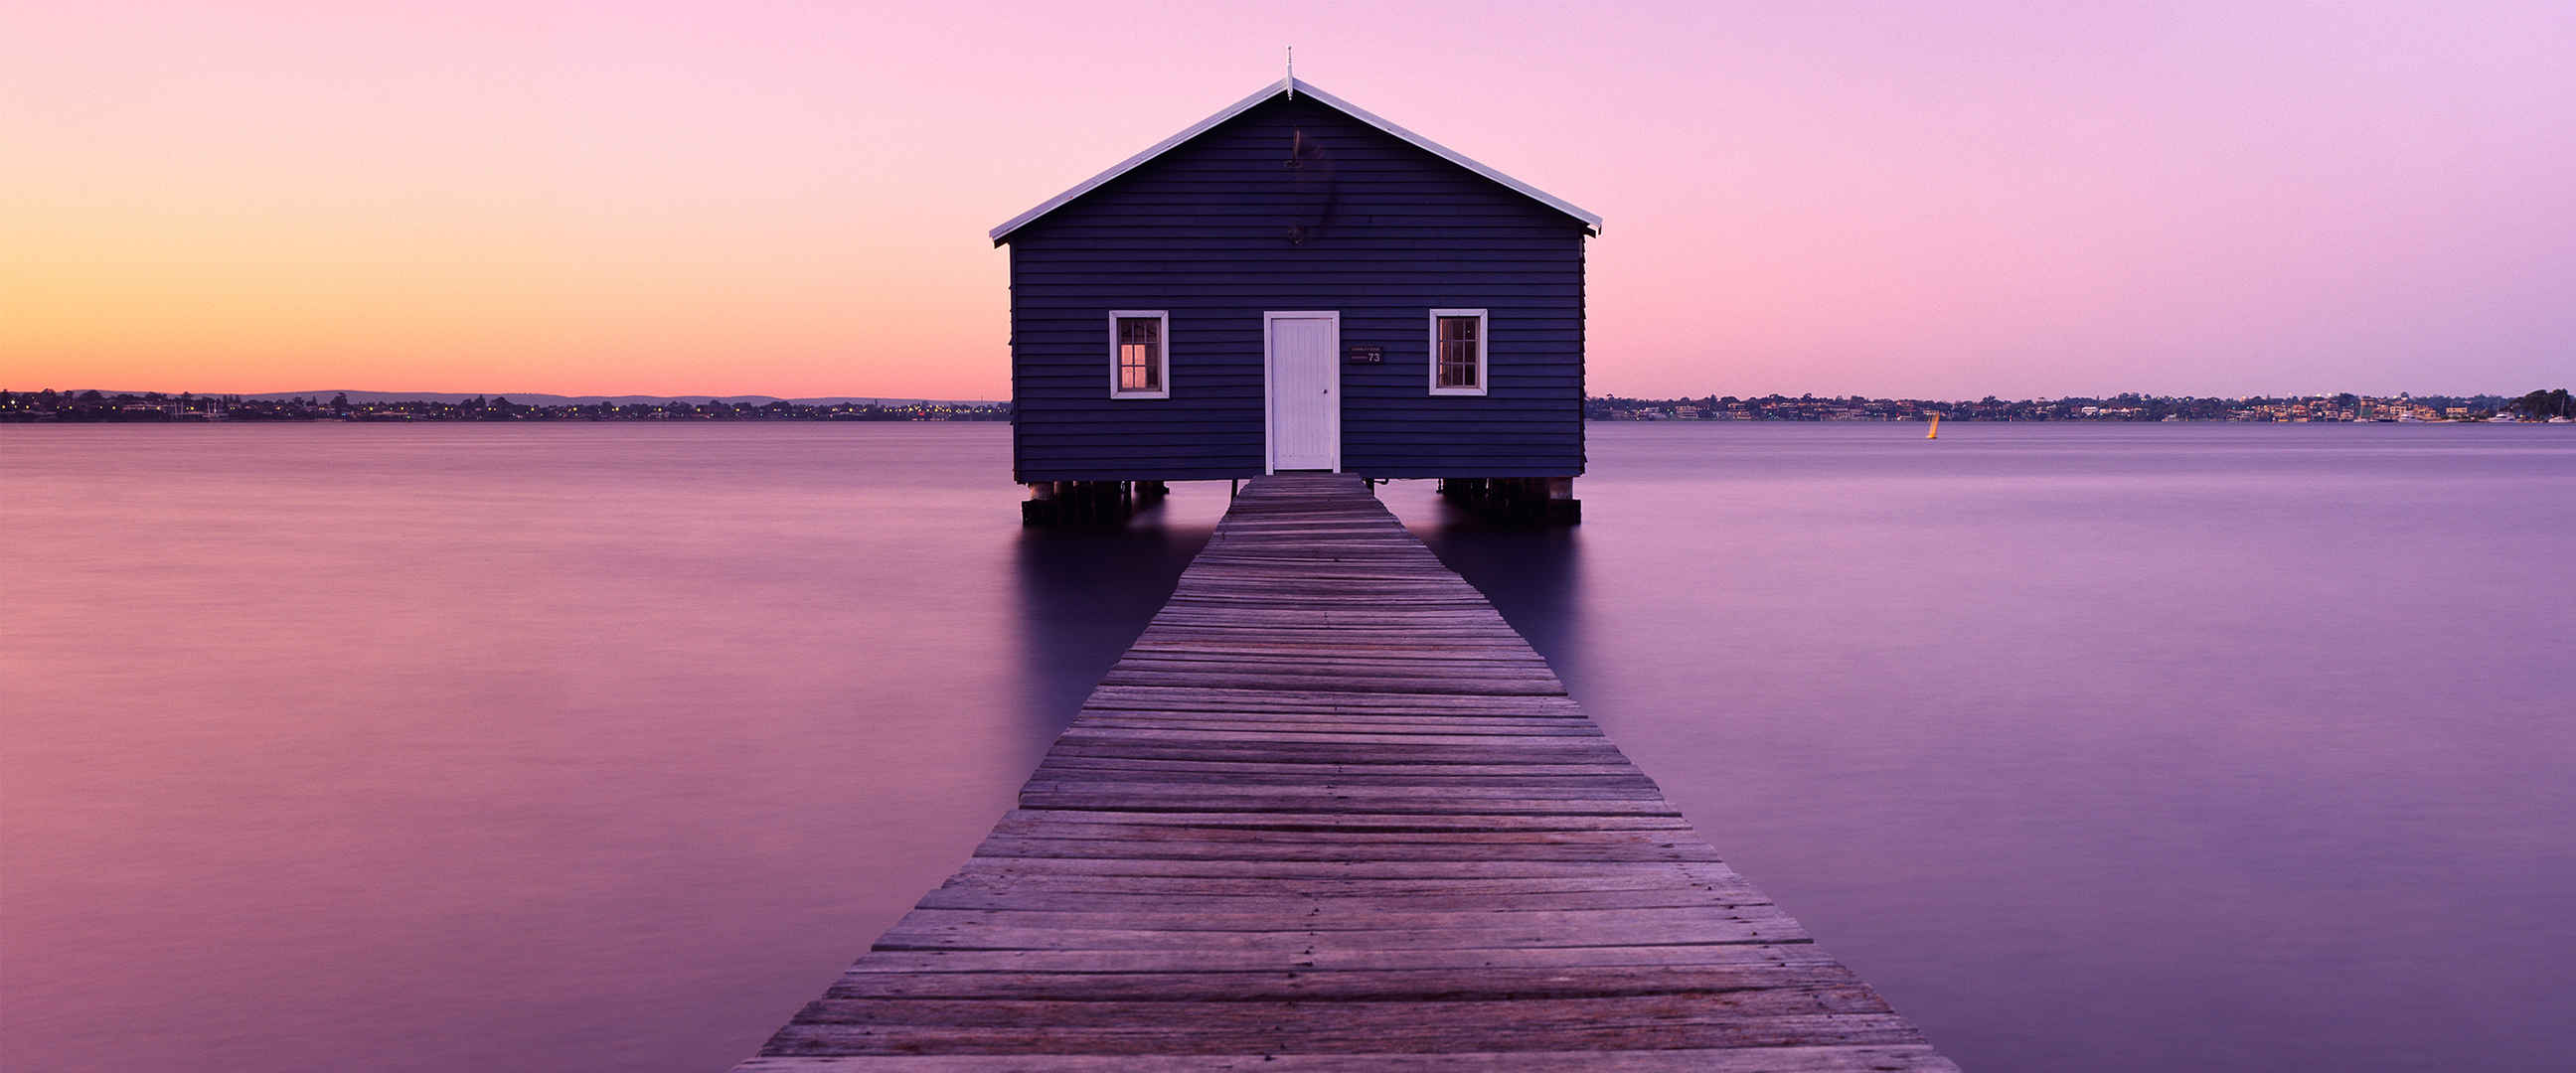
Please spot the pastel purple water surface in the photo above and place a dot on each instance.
(605, 746)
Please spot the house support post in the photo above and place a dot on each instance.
(1087, 502)
(1562, 508)
(1518, 500)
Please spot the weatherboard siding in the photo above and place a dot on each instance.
(1392, 232)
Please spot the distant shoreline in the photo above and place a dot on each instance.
(165, 420)
(2325, 409)
(96, 407)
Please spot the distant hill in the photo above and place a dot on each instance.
(534, 398)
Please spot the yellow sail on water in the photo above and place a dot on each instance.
(1935, 432)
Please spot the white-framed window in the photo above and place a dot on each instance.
(1140, 354)
(1457, 352)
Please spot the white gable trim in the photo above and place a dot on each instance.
(1292, 87)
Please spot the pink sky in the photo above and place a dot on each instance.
(1897, 199)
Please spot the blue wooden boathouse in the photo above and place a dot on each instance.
(1295, 284)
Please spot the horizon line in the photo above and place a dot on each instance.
(402, 395)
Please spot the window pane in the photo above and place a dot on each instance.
(1457, 351)
(1140, 354)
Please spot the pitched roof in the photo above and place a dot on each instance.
(1591, 221)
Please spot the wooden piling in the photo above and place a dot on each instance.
(1520, 500)
(1331, 813)
(1073, 503)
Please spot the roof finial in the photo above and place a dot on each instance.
(1292, 72)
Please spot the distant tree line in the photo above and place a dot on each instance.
(2543, 405)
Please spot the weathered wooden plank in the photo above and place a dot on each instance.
(1700, 883)
(1498, 935)
(1485, 901)
(1094, 734)
(1348, 724)
(1328, 813)
(1379, 749)
(1335, 821)
(1915, 1058)
(1446, 1017)
(1407, 779)
(1274, 850)
(1433, 803)
(1423, 705)
(1682, 873)
(1322, 959)
(1039, 826)
(1502, 798)
(1319, 1034)
(1864, 1059)
(1683, 923)
(1392, 984)
(1323, 770)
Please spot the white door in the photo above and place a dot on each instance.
(1305, 426)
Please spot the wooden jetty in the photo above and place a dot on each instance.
(1332, 813)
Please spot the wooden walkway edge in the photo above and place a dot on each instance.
(1332, 813)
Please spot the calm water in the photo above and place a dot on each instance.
(548, 747)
